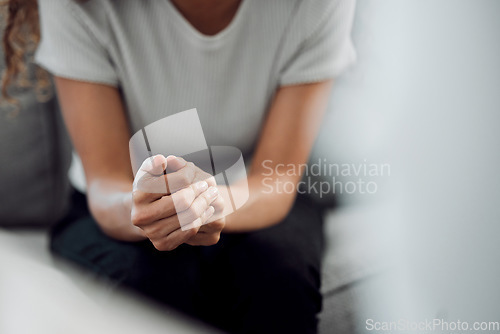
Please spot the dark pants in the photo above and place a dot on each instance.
(261, 282)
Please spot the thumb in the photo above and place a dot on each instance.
(154, 165)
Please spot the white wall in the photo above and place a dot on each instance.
(425, 97)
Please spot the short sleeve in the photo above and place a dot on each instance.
(69, 48)
(324, 49)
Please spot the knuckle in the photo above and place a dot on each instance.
(139, 217)
(152, 232)
(182, 202)
(218, 204)
(218, 224)
(169, 247)
(184, 205)
(164, 245)
(213, 238)
(159, 184)
(201, 208)
(183, 218)
(193, 212)
(211, 181)
(191, 232)
(185, 178)
(157, 244)
(202, 203)
(137, 196)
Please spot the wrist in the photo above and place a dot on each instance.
(113, 217)
(130, 232)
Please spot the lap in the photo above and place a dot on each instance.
(294, 243)
(241, 265)
(164, 276)
(272, 274)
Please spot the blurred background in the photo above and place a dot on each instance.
(424, 99)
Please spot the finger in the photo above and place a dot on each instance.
(205, 216)
(161, 228)
(182, 178)
(208, 234)
(184, 198)
(195, 215)
(142, 197)
(155, 186)
(203, 239)
(174, 239)
(219, 205)
(167, 206)
(155, 165)
(180, 173)
(215, 226)
(150, 178)
(210, 179)
(175, 163)
(199, 205)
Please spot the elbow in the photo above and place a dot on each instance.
(282, 207)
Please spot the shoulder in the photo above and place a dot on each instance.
(318, 10)
(81, 16)
(310, 16)
(100, 9)
(327, 17)
(102, 16)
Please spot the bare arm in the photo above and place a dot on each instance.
(96, 121)
(128, 210)
(286, 139)
(95, 117)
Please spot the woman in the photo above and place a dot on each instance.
(259, 73)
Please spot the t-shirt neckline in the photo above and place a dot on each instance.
(190, 29)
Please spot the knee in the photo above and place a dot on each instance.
(281, 259)
(291, 282)
(281, 273)
(281, 292)
(82, 242)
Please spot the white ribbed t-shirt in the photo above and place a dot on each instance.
(163, 65)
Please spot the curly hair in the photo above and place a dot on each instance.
(20, 40)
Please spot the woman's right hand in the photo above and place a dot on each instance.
(170, 207)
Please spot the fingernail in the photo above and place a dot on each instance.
(210, 211)
(156, 164)
(174, 158)
(202, 185)
(213, 192)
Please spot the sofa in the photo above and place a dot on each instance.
(348, 263)
(352, 256)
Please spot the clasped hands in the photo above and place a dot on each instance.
(175, 202)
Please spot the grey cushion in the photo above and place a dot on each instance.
(351, 253)
(35, 153)
(353, 256)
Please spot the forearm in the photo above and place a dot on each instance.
(110, 202)
(286, 140)
(266, 206)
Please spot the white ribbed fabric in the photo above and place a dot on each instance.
(163, 65)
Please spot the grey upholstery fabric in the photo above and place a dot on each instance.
(352, 258)
(35, 153)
